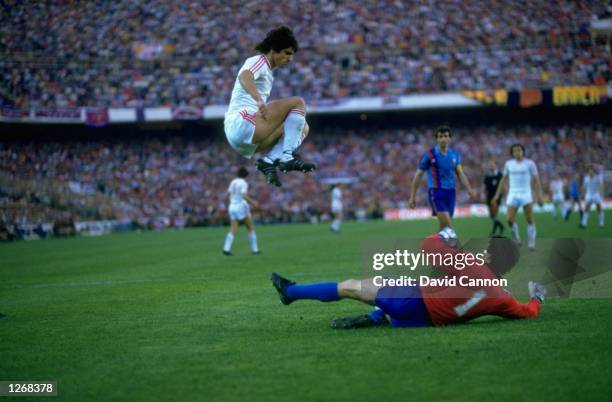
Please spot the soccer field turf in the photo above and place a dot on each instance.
(164, 316)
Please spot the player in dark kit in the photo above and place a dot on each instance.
(491, 180)
(418, 306)
(441, 164)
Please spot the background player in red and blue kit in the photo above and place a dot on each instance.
(417, 306)
(441, 163)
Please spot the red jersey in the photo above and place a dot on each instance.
(452, 304)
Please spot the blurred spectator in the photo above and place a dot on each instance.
(167, 52)
(177, 182)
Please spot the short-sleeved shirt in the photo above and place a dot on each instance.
(237, 190)
(592, 184)
(519, 175)
(440, 168)
(262, 72)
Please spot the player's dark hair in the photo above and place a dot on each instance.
(243, 172)
(443, 129)
(504, 254)
(277, 40)
(516, 145)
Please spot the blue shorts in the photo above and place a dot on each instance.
(574, 197)
(442, 200)
(404, 305)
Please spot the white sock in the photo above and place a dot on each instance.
(336, 224)
(585, 218)
(531, 235)
(276, 152)
(515, 231)
(601, 218)
(229, 239)
(253, 241)
(292, 138)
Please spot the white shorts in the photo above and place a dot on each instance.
(518, 200)
(239, 212)
(558, 198)
(239, 131)
(592, 198)
(336, 207)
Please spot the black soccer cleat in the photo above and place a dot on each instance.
(227, 253)
(258, 252)
(281, 284)
(269, 170)
(361, 321)
(296, 164)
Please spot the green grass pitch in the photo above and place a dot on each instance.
(164, 316)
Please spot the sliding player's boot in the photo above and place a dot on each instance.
(281, 284)
(360, 321)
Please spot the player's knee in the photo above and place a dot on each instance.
(349, 288)
(298, 102)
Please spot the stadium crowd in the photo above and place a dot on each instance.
(182, 181)
(173, 53)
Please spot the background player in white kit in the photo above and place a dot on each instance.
(276, 128)
(592, 189)
(239, 211)
(519, 172)
(557, 195)
(336, 208)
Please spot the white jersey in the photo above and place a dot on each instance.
(519, 175)
(241, 100)
(592, 184)
(336, 204)
(336, 195)
(556, 188)
(237, 190)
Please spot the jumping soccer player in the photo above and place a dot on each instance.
(592, 189)
(557, 196)
(336, 208)
(441, 163)
(239, 211)
(574, 197)
(491, 181)
(418, 306)
(520, 172)
(275, 128)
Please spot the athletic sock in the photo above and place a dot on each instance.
(568, 213)
(585, 218)
(601, 218)
(253, 241)
(515, 231)
(531, 235)
(323, 291)
(378, 316)
(276, 152)
(293, 136)
(229, 239)
(335, 225)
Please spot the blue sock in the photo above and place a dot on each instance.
(323, 291)
(378, 316)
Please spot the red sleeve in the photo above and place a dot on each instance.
(513, 309)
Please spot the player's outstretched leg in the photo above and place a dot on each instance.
(289, 291)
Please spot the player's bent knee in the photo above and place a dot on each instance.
(298, 102)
